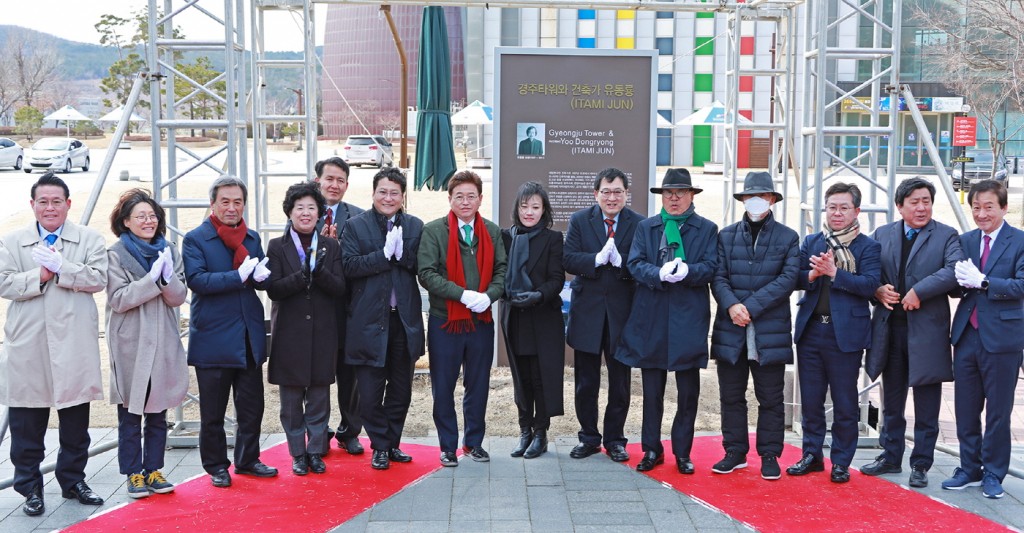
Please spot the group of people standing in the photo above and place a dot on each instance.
(346, 308)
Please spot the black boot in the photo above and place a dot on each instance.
(539, 444)
(525, 436)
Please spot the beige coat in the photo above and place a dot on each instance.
(51, 353)
(142, 334)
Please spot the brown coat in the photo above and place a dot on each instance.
(303, 323)
(143, 335)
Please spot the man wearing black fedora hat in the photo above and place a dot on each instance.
(758, 264)
(673, 259)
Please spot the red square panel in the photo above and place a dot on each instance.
(747, 114)
(746, 84)
(746, 46)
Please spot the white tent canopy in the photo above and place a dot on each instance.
(68, 114)
(475, 114)
(116, 114)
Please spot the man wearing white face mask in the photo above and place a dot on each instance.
(758, 265)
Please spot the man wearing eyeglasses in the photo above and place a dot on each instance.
(332, 175)
(462, 265)
(673, 258)
(385, 322)
(596, 246)
(839, 272)
(49, 272)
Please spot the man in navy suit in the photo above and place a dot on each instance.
(332, 175)
(596, 244)
(987, 341)
(839, 272)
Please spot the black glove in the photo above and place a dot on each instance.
(321, 260)
(527, 299)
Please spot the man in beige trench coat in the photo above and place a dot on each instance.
(50, 358)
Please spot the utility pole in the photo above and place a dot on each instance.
(301, 110)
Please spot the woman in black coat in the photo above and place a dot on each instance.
(305, 279)
(532, 317)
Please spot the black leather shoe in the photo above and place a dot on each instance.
(350, 445)
(840, 474)
(449, 459)
(380, 460)
(879, 467)
(316, 463)
(396, 455)
(477, 453)
(618, 453)
(807, 464)
(582, 450)
(650, 460)
(257, 469)
(918, 477)
(538, 445)
(525, 436)
(684, 465)
(300, 466)
(34, 505)
(221, 479)
(83, 494)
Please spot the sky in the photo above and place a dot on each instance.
(76, 24)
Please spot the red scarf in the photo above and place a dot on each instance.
(460, 319)
(233, 238)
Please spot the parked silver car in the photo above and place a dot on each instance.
(979, 169)
(11, 154)
(367, 150)
(58, 153)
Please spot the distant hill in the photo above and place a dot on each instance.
(83, 61)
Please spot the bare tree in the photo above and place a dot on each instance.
(35, 62)
(61, 94)
(978, 51)
(8, 89)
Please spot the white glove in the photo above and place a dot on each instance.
(605, 254)
(261, 272)
(682, 269)
(48, 258)
(245, 269)
(968, 275)
(481, 304)
(616, 258)
(390, 243)
(666, 270)
(399, 243)
(158, 267)
(168, 271)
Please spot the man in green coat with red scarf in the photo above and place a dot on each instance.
(462, 266)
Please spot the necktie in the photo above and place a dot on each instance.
(394, 298)
(911, 233)
(984, 259)
(330, 217)
(467, 232)
(611, 227)
(52, 238)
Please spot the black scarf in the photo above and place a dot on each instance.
(517, 279)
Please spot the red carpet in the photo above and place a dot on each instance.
(811, 502)
(286, 503)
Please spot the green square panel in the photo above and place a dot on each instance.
(701, 145)
(704, 46)
(705, 15)
(703, 83)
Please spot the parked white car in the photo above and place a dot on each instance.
(57, 153)
(367, 150)
(11, 154)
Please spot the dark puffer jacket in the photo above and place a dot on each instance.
(762, 279)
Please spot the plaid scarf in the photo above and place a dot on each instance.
(839, 243)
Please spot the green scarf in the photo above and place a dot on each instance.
(672, 234)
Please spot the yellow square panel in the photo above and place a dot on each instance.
(625, 14)
(625, 42)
